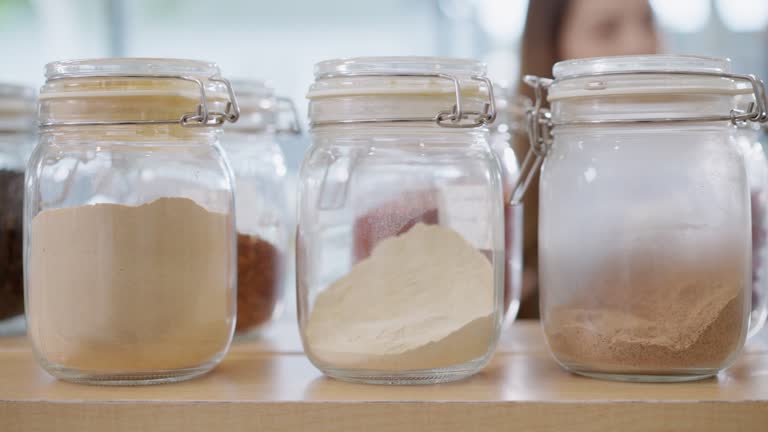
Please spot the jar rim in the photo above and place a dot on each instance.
(400, 64)
(138, 66)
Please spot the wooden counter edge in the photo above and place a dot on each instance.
(236, 416)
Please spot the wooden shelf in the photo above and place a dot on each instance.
(268, 385)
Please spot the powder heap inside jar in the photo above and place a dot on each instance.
(259, 271)
(399, 215)
(657, 315)
(422, 300)
(11, 256)
(124, 289)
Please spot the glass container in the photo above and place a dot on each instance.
(264, 222)
(645, 245)
(400, 240)
(129, 222)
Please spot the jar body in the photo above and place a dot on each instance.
(262, 226)
(400, 252)
(645, 250)
(129, 253)
(14, 152)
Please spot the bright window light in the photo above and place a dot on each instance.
(503, 20)
(683, 16)
(743, 15)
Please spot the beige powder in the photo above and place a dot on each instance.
(683, 315)
(114, 288)
(421, 300)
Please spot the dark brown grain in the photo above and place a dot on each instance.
(11, 262)
(259, 274)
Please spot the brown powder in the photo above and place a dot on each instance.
(258, 281)
(660, 323)
(131, 289)
(11, 268)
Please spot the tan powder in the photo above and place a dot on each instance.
(422, 300)
(654, 322)
(115, 288)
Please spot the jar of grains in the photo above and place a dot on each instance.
(400, 247)
(17, 127)
(644, 232)
(261, 195)
(129, 222)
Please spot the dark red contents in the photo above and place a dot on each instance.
(392, 219)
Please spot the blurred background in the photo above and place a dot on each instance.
(280, 41)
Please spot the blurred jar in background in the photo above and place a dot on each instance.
(264, 219)
(17, 127)
(509, 129)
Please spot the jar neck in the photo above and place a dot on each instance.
(416, 135)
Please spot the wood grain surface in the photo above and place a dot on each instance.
(267, 384)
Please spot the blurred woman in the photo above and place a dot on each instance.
(557, 30)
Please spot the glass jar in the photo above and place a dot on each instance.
(400, 240)
(644, 230)
(129, 222)
(748, 138)
(263, 219)
(506, 133)
(17, 125)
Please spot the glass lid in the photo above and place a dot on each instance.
(133, 91)
(645, 75)
(129, 66)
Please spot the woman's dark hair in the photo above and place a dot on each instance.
(541, 39)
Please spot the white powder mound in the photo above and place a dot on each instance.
(422, 300)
